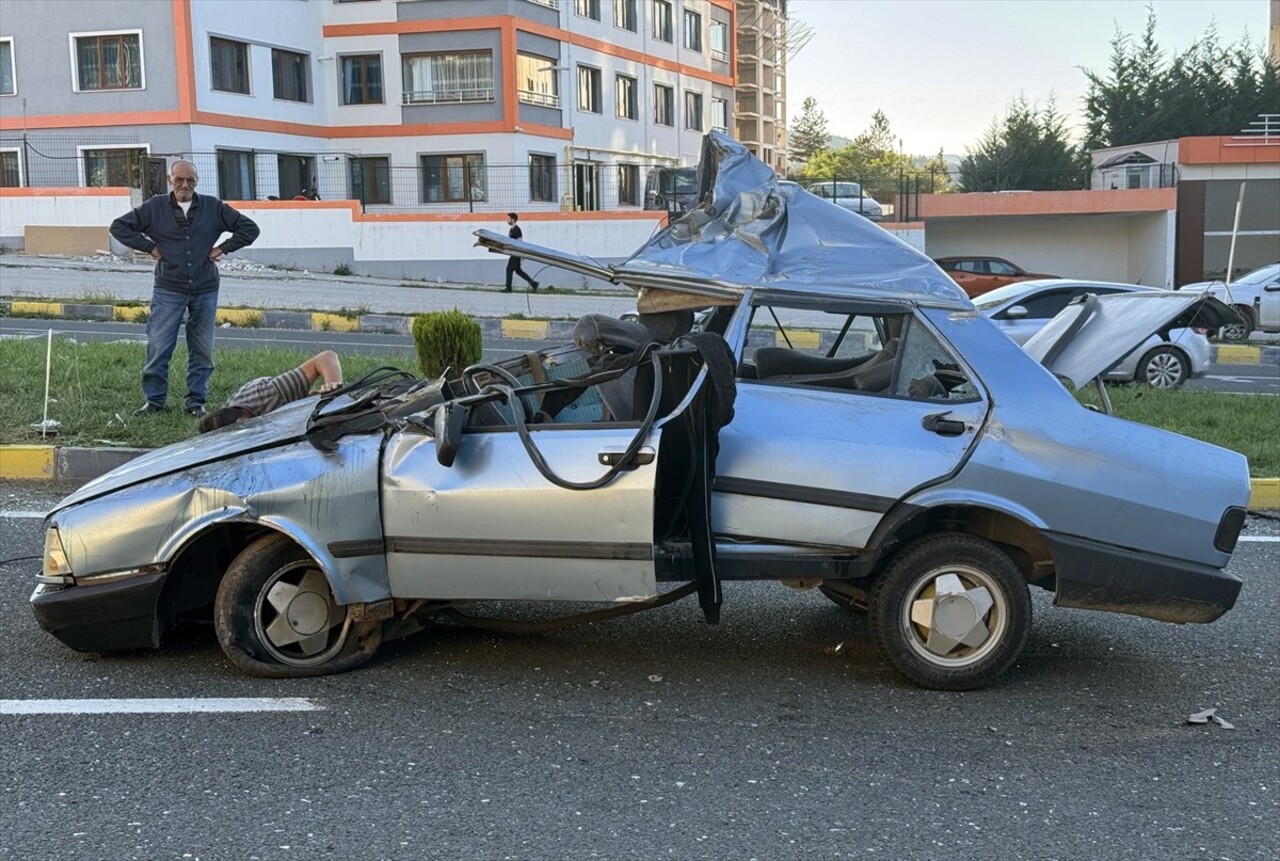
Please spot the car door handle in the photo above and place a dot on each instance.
(611, 456)
(943, 426)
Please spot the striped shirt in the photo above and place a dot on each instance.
(265, 394)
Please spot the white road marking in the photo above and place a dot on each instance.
(24, 515)
(158, 706)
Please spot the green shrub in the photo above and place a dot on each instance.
(446, 339)
(342, 269)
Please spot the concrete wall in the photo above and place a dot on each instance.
(321, 235)
(1129, 248)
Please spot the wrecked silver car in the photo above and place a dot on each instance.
(802, 398)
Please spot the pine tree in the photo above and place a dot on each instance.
(809, 135)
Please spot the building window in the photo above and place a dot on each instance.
(297, 175)
(114, 167)
(629, 184)
(362, 79)
(628, 104)
(589, 96)
(235, 175)
(108, 62)
(662, 20)
(719, 38)
(229, 65)
(538, 80)
(8, 85)
(448, 178)
(664, 105)
(542, 177)
(371, 179)
(289, 75)
(10, 169)
(693, 111)
(435, 78)
(692, 30)
(587, 9)
(624, 15)
(720, 114)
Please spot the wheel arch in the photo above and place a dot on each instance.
(198, 560)
(1016, 531)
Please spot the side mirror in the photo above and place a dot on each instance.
(448, 431)
(1017, 312)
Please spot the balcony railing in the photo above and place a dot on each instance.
(437, 97)
(547, 100)
(550, 4)
(719, 55)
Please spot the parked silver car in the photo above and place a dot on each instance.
(840, 419)
(1165, 360)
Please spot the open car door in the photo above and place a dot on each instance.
(1094, 333)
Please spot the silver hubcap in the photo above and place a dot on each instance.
(297, 619)
(954, 615)
(1164, 371)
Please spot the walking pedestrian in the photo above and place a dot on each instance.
(264, 394)
(179, 230)
(513, 263)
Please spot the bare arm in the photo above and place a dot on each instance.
(324, 366)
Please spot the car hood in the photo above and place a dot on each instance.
(1095, 332)
(282, 426)
(747, 232)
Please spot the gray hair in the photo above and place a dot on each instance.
(177, 162)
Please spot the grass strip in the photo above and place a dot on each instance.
(95, 388)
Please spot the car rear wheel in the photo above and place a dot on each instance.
(951, 612)
(275, 616)
(1163, 368)
(1239, 331)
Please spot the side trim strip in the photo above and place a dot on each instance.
(796, 493)
(357, 547)
(529, 549)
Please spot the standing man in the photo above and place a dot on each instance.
(513, 263)
(179, 230)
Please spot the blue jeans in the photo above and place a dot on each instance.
(167, 310)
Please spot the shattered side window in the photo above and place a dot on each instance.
(928, 370)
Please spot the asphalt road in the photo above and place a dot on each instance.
(657, 736)
(1252, 379)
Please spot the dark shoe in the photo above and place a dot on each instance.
(197, 411)
(534, 286)
(507, 290)
(148, 409)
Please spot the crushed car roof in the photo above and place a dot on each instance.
(749, 232)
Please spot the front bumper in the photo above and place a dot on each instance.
(1096, 576)
(102, 618)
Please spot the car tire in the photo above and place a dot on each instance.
(951, 612)
(275, 616)
(1163, 368)
(1239, 331)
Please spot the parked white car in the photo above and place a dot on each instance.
(1023, 308)
(849, 195)
(1255, 297)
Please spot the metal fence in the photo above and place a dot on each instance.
(464, 182)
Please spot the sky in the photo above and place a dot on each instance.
(942, 70)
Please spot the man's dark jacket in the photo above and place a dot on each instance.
(184, 264)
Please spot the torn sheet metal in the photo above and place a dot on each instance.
(1210, 715)
(749, 232)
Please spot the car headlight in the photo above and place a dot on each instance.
(56, 570)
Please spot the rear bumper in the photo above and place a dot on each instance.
(104, 618)
(1096, 576)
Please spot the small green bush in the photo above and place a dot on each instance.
(446, 339)
(342, 269)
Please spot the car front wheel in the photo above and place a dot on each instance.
(1163, 368)
(276, 617)
(951, 612)
(1239, 331)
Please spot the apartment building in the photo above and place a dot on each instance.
(404, 105)
(760, 111)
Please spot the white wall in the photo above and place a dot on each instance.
(65, 211)
(1127, 248)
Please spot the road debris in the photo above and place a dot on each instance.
(1208, 715)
